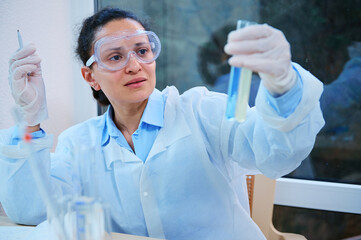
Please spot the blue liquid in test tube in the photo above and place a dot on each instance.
(239, 87)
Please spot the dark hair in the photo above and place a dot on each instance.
(87, 33)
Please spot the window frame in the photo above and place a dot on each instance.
(312, 194)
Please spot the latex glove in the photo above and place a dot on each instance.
(265, 50)
(28, 91)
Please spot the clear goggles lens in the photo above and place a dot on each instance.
(114, 52)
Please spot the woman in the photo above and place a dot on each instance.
(169, 165)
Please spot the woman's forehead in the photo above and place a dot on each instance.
(119, 25)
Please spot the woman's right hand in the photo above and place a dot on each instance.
(265, 50)
(27, 85)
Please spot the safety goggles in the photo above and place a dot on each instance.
(113, 52)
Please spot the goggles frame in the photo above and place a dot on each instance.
(98, 43)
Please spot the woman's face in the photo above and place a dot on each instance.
(131, 84)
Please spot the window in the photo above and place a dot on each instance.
(325, 39)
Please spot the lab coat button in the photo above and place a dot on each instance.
(145, 194)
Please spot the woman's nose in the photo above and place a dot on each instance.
(132, 65)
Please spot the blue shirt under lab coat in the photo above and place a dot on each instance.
(191, 184)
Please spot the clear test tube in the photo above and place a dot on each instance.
(239, 87)
(20, 40)
(21, 45)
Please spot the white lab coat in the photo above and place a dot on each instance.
(192, 184)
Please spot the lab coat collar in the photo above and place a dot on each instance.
(154, 111)
(113, 152)
(175, 125)
(107, 132)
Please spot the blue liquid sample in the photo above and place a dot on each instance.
(233, 92)
(239, 87)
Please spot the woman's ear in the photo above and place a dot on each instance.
(88, 77)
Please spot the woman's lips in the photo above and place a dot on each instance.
(137, 82)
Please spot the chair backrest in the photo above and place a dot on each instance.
(261, 191)
(261, 196)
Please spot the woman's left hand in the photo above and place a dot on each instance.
(265, 50)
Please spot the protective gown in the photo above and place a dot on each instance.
(192, 184)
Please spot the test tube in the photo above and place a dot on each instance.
(21, 44)
(239, 87)
(20, 40)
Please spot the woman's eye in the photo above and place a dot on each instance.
(143, 51)
(115, 58)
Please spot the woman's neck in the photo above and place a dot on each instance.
(127, 118)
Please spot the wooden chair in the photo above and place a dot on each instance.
(261, 192)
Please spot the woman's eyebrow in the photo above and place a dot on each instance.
(140, 43)
(114, 49)
(121, 48)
